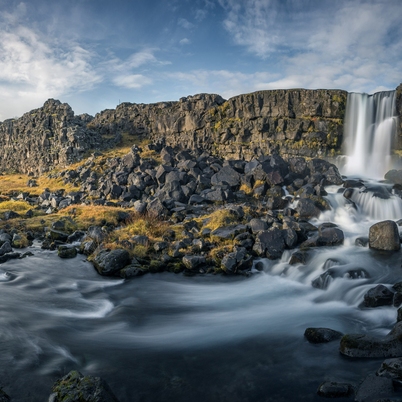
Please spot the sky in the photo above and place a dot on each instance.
(94, 54)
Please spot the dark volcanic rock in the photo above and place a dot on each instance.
(322, 335)
(374, 388)
(391, 368)
(362, 345)
(111, 262)
(75, 387)
(384, 236)
(378, 296)
(332, 389)
(67, 252)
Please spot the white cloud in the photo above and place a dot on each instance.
(357, 43)
(184, 23)
(33, 68)
(133, 81)
(185, 41)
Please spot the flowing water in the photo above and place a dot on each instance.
(166, 337)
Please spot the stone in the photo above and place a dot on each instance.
(326, 237)
(384, 236)
(226, 175)
(110, 262)
(333, 389)
(192, 262)
(269, 243)
(322, 335)
(11, 215)
(5, 248)
(391, 368)
(362, 345)
(75, 387)
(307, 209)
(373, 388)
(66, 252)
(58, 235)
(378, 296)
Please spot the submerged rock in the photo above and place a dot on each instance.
(332, 389)
(322, 335)
(362, 345)
(378, 296)
(75, 387)
(374, 388)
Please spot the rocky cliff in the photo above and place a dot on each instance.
(296, 122)
(44, 138)
(290, 122)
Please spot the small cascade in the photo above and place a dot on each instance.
(370, 127)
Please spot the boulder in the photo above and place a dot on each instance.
(269, 243)
(374, 388)
(110, 262)
(384, 236)
(192, 262)
(66, 252)
(332, 389)
(75, 387)
(5, 248)
(391, 368)
(322, 335)
(379, 296)
(362, 345)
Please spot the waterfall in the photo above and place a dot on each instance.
(370, 127)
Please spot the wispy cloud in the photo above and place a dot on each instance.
(184, 23)
(185, 41)
(33, 67)
(132, 81)
(351, 44)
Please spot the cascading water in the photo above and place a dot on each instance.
(370, 125)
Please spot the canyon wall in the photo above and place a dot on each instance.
(290, 122)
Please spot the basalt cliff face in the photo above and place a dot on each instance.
(289, 122)
(296, 122)
(45, 138)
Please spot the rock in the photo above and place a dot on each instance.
(96, 233)
(5, 248)
(192, 262)
(257, 225)
(226, 175)
(57, 235)
(229, 232)
(111, 262)
(239, 260)
(362, 345)
(269, 243)
(322, 335)
(378, 296)
(323, 281)
(307, 209)
(11, 215)
(66, 252)
(332, 389)
(75, 387)
(391, 368)
(394, 176)
(384, 236)
(361, 241)
(326, 237)
(298, 257)
(373, 388)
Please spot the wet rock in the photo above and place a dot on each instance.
(373, 388)
(323, 281)
(378, 296)
(9, 256)
(239, 260)
(394, 176)
(322, 335)
(5, 248)
(298, 257)
(384, 236)
(362, 241)
(66, 252)
(75, 387)
(391, 368)
(57, 235)
(192, 262)
(111, 262)
(307, 209)
(362, 345)
(325, 237)
(269, 243)
(332, 389)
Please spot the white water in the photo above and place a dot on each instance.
(370, 125)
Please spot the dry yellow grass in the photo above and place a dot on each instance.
(16, 206)
(219, 218)
(18, 183)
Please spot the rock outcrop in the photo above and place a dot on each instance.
(292, 122)
(289, 122)
(44, 138)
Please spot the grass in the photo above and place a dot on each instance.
(219, 218)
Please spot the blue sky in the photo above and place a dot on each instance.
(94, 54)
